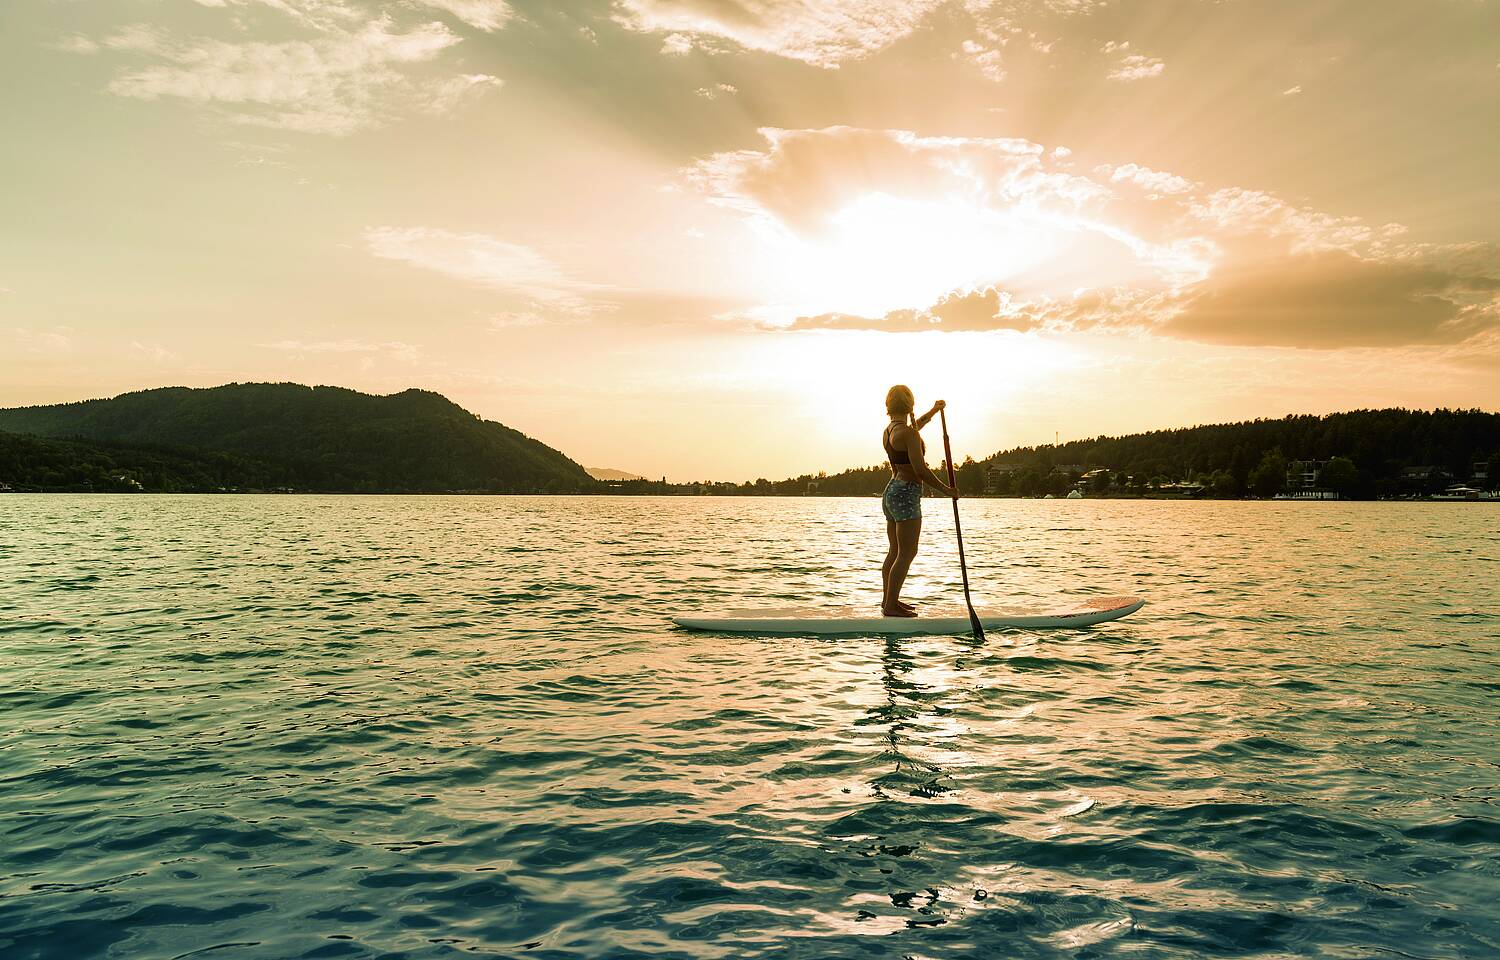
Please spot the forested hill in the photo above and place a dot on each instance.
(1380, 443)
(307, 438)
(1228, 459)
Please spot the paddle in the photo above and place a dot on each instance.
(962, 565)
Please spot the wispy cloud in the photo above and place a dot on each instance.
(804, 176)
(349, 75)
(482, 259)
(823, 33)
(154, 352)
(1332, 299)
(391, 349)
(995, 308)
(487, 15)
(1132, 66)
(677, 44)
(1237, 212)
(1324, 300)
(320, 14)
(48, 340)
(446, 95)
(988, 57)
(1154, 181)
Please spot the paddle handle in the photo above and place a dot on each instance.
(963, 565)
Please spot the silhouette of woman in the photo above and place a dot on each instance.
(902, 500)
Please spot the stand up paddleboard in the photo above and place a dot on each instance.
(828, 621)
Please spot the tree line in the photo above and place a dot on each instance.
(284, 436)
(1360, 454)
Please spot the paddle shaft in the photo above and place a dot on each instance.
(962, 564)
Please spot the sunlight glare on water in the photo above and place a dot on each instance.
(430, 727)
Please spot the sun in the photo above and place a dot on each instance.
(881, 253)
(831, 384)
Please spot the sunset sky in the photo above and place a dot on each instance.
(699, 238)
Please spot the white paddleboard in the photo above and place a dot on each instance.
(947, 620)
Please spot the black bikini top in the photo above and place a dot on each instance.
(895, 456)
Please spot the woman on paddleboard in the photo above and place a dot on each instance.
(902, 500)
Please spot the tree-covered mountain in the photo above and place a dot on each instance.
(307, 438)
(30, 462)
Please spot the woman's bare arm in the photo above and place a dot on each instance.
(919, 464)
(926, 418)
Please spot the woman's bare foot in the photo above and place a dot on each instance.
(897, 612)
(906, 606)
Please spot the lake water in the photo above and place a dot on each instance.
(256, 726)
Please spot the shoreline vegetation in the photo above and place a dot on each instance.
(290, 438)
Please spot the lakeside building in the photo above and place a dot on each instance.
(1423, 480)
(1186, 488)
(1460, 491)
(1302, 476)
(995, 471)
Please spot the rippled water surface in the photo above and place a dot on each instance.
(440, 727)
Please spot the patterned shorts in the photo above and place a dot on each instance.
(902, 500)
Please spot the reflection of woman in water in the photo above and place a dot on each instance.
(903, 495)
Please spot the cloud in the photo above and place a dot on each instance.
(677, 45)
(1237, 212)
(1323, 300)
(51, 340)
(1153, 181)
(445, 95)
(803, 177)
(1292, 91)
(487, 15)
(1010, 238)
(154, 352)
(392, 349)
(76, 44)
(823, 33)
(988, 58)
(1137, 67)
(1331, 298)
(1133, 66)
(341, 80)
(717, 90)
(992, 308)
(478, 258)
(320, 14)
(828, 33)
(999, 22)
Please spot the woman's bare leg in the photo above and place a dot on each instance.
(908, 535)
(890, 560)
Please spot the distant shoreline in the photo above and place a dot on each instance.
(1178, 498)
